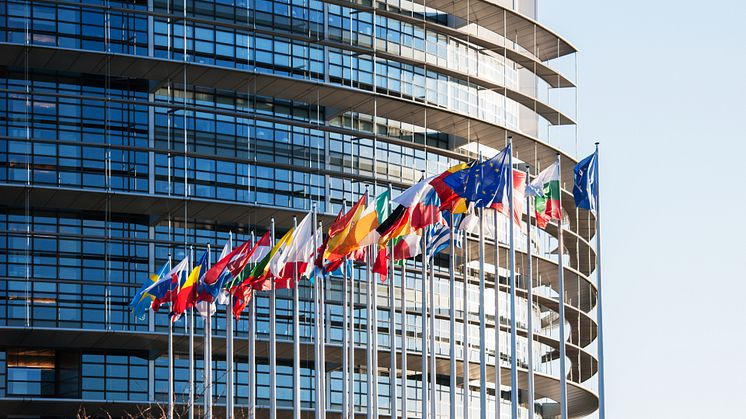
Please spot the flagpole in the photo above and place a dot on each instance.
(513, 332)
(296, 336)
(207, 352)
(599, 310)
(452, 313)
(403, 292)
(317, 330)
(374, 329)
(368, 328)
(170, 354)
(563, 356)
(345, 337)
(433, 376)
(190, 315)
(229, 374)
(529, 282)
(392, 326)
(482, 325)
(252, 351)
(423, 314)
(498, 355)
(272, 340)
(322, 318)
(352, 336)
(467, 390)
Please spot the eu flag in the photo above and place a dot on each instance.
(585, 186)
(483, 183)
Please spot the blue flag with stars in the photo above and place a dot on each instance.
(484, 183)
(585, 188)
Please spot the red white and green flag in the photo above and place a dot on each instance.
(546, 192)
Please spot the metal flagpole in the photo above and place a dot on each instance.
(599, 310)
(563, 349)
(351, 387)
(369, 331)
(206, 353)
(190, 314)
(272, 339)
(296, 336)
(322, 319)
(317, 338)
(229, 374)
(345, 350)
(511, 261)
(374, 330)
(433, 376)
(529, 282)
(170, 358)
(452, 313)
(498, 356)
(467, 390)
(392, 327)
(345, 335)
(404, 332)
(251, 382)
(423, 314)
(482, 324)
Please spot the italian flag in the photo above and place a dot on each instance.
(546, 192)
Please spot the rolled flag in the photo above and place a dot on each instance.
(142, 300)
(585, 186)
(546, 192)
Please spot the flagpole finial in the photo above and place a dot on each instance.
(597, 143)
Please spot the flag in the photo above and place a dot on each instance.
(483, 183)
(363, 232)
(546, 190)
(585, 187)
(335, 246)
(438, 238)
(242, 294)
(217, 269)
(240, 265)
(261, 272)
(206, 293)
(424, 205)
(187, 295)
(450, 200)
(166, 289)
(380, 266)
(296, 254)
(142, 300)
(408, 246)
(260, 251)
(519, 182)
(395, 225)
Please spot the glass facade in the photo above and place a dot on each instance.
(107, 175)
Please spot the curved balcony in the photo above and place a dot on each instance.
(582, 401)
(331, 96)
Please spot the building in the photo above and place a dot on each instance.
(135, 130)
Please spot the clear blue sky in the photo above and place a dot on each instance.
(663, 87)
